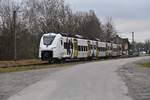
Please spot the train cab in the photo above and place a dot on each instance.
(50, 46)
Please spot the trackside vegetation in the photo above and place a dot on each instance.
(25, 21)
(147, 64)
(39, 66)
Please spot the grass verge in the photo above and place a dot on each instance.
(36, 67)
(147, 64)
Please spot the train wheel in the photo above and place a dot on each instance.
(63, 60)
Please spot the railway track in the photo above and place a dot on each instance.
(43, 65)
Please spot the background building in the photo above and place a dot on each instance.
(125, 44)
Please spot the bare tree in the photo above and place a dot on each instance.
(8, 9)
(25, 22)
(109, 30)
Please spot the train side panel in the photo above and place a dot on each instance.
(102, 49)
(56, 46)
(114, 50)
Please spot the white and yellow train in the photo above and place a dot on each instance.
(60, 47)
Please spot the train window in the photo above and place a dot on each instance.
(61, 42)
(86, 48)
(111, 48)
(65, 45)
(68, 45)
(98, 48)
(101, 48)
(95, 47)
(91, 47)
(104, 49)
(47, 40)
(79, 48)
(82, 48)
(71, 45)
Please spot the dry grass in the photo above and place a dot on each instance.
(21, 63)
(31, 67)
(147, 64)
(37, 66)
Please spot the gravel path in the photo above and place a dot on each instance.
(11, 83)
(89, 81)
(137, 79)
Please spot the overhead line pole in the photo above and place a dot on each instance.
(133, 37)
(14, 30)
(133, 43)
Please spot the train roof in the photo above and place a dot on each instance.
(49, 34)
(76, 36)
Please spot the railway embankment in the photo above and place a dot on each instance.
(137, 77)
(32, 64)
(4, 64)
(21, 63)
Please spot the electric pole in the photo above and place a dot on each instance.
(133, 37)
(14, 30)
(133, 44)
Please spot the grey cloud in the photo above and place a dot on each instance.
(133, 14)
(117, 8)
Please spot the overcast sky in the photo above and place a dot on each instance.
(128, 15)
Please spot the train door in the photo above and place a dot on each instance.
(68, 46)
(75, 48)
(93, 51)
(97, 50)
(61, 46)
(106, 49)
(89, 49)
(111, 50)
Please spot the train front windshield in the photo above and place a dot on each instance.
(47, 40)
